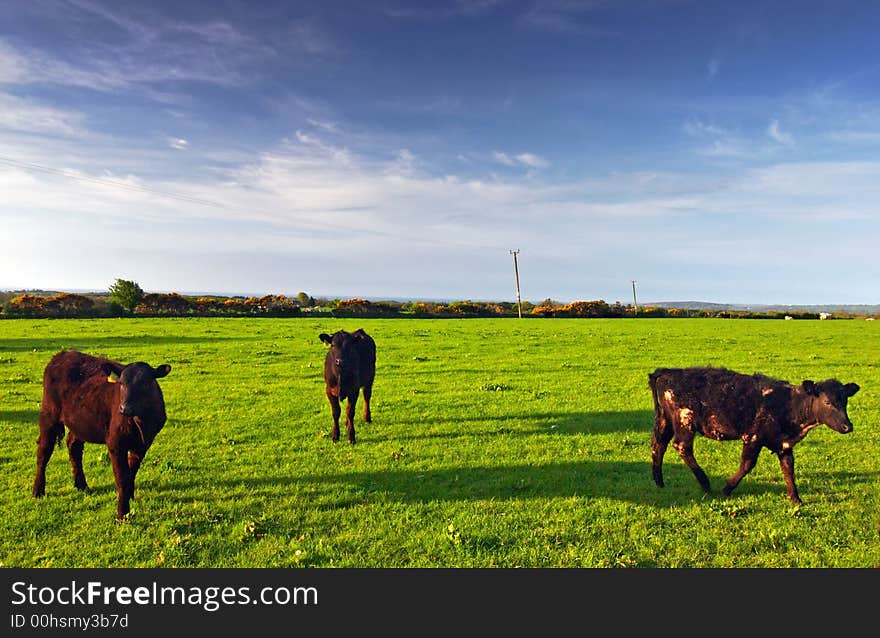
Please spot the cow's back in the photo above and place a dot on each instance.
(76, 392)
(366, 347)
(730, 399)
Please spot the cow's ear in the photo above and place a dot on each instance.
(162, 371)
(325, 338)
(110, 370)
(851, 389)
(810, 387)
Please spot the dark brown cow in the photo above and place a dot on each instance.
(724, 405)
(100, 401)
(350, 365)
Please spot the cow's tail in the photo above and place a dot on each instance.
(50, 427)
(652, 383)
(659, 436)
(59, 436)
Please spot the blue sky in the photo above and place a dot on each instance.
(715, 151)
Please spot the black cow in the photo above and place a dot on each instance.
(350, 365)
(100, 401)
(724, 405)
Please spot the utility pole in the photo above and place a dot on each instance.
(635, 303)
(516, 272)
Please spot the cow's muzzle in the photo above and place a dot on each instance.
(843, 428)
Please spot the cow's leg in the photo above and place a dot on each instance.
(349, 416)
(748, 460)
(134, 464)
(786, 462)
(336, 410)
(51, 432)
(121, 474)
(75, 452)
(368, 392)
(683, 442)
(660, 438)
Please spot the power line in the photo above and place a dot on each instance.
(107, 182)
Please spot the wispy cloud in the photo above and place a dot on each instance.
(24, 66)
(718, 142)
(855, 136)
(27, 116)
(779, 135)
(307, 195)
(713, 67)
(446, 9)
(698, 128)
(330, 127)
(564, 17)
(151, 56)
(521, 159)
(724, 143)
(178, 143)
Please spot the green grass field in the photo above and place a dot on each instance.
(494, 443)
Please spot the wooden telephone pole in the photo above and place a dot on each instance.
(516, 272)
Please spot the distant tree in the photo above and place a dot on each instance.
(127, 294)
(305, 300)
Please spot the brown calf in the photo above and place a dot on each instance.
(724, 405)
(350, 364)
(100, 401)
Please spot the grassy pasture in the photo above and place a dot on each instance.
(494, 443)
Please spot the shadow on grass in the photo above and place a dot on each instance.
(623, 481)
(519, 425)
(86, 343)
(20, 416)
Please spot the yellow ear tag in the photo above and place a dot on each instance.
(113, 378)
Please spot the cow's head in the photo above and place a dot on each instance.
(138, 390)
(829, 405)
(343, 353)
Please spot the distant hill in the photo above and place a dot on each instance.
(856, 309)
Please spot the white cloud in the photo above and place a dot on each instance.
(854, 136)
(780, 136)
(697, 128)
(178, 143)
(32, 66)
(529, 159)
(26, 116)
(522, 159)
(722, 143)
(306, 195)
(503, 158)
(712, 67)
(144, 57)
(330, 127)
(565, 17)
